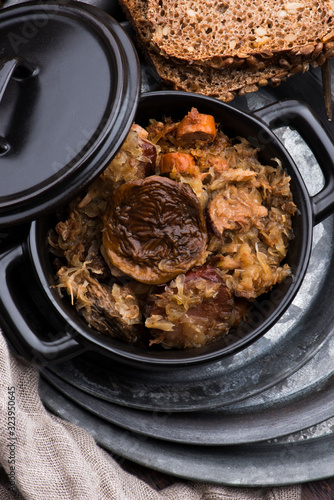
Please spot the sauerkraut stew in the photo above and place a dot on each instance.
(179, 235)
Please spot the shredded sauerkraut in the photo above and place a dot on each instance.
(248, 209)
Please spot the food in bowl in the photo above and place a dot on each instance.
(179, 235)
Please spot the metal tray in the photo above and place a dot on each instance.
(304, 456)
(302, 400)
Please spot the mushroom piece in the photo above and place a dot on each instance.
(154, 229)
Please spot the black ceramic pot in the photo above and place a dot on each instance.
(69, 335)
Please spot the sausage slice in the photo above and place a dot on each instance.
(195, 127)
(183, 163)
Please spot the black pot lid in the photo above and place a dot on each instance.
(69, 87)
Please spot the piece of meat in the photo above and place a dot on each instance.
(142, 133)
(193, 310)
(154, 229)
(235, 208)
(218, 163)
(146, 165)
(182, 163)
(113, 310)
(195, 128)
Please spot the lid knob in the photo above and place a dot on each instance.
(17, 68)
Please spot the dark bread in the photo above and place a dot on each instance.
(226, 81)
(250, 32)
(221, 84)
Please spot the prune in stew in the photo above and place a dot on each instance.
(154, 229)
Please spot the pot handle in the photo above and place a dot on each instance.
(18, 69)
(15, 320)
(298, 114)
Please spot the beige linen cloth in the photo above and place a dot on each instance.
(57, 460)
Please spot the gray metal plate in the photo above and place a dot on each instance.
(302, 400)
(300, 458)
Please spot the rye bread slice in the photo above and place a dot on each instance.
(223, 83)
(251, 32)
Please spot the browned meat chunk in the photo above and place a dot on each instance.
(149, 159)
(110, 309)
(193, 310)
(235, 208)
(181, 163)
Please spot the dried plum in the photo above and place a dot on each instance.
(154, 229)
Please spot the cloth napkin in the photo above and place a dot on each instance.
(43, 457)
